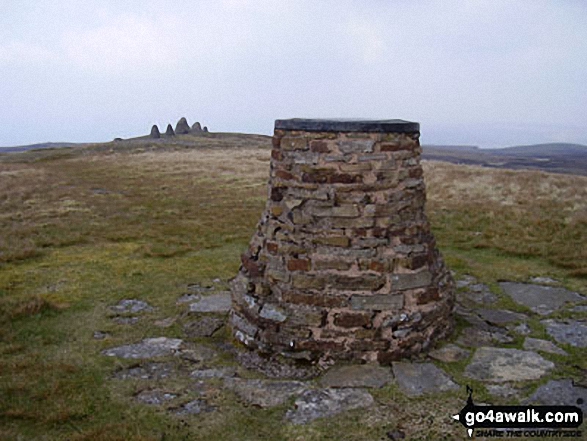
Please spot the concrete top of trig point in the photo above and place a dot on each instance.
(348, 125)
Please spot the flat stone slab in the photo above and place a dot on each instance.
(544, 281)
(449, 353)
(194, 407)
(499, 365)
(416, 379)
(465, 281)
(203, 327)
(147, 371)
(321, 403)
(273, 368)
(571, 332)
(535, 344)
(225, 372)
(361, 375)
(197, 353)
(264, 393)
(501, 316)
(503, 390)
(542, 300)
(348, 125)
(477, 293)
(220, 302)
(476, 338)
(155, 397)
(131, 306)
(560, 393)
(148, 348)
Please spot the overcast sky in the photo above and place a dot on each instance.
(488, 72)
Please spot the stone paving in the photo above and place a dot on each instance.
(210, 364)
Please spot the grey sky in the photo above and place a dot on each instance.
(486, 72)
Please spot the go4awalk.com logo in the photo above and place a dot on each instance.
(520, 421)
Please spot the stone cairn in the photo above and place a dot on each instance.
(181, 128)
(155, 134)
(343, 264)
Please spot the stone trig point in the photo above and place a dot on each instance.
(343, 263)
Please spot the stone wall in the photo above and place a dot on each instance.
(343, 263)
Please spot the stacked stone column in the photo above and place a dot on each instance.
(343, 263)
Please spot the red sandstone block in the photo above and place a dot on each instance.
(390, 146)
(341, 265)
(416, 173)
(293, 143)
(251, 266)
(319, 146)
(352, 319)
(345, 178)
(282, 174)
(272, 247)
(299, 265)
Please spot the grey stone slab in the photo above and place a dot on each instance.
(273, 368)
(477, 294)
(347, 125)
(544, 281)
(188, 298)
(560, 393)
(476, 338)
(499, 365)
(522, 329)
(358, 375)
(224, 372)
(148, 348)
(154, 397)
(220, 302)
(501, 316)
(264, 393)
(535, 344)
(571, 332)
(465, 281)
(131, 306)
(322, 403)
(99, 335)
(449, 353)
(147, 371)
(203, 327)
(580, 308)
(542, 300)
(416, 379)
(503, 390)
(198, 353)
(194, 407)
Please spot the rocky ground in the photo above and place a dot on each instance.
(484, 345)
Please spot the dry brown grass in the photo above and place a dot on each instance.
(522, 213)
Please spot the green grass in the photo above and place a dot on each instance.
(82, 229)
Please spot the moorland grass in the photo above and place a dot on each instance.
(82, 229)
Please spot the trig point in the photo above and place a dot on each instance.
(343, 263)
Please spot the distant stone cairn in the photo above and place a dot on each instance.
(205, 129)
(155, 134)
(169, 131)
(197, 127)
(182, 127)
